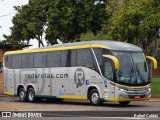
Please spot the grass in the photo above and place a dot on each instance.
(155, 87)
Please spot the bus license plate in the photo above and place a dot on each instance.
(137, 97)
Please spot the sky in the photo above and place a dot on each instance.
(6, 14)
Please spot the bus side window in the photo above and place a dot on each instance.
(64, 55)
(16, 59)
(98, 53)
(108, 70)
(54, 59)
(84, 58)
(27, 60)
(68, 61)
(8, 61)
(40, 60)
(73, 57)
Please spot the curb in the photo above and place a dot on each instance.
(154, 100)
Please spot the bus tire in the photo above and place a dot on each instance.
(31, 95)
(124, 103)
(95, 98)
(22, 95)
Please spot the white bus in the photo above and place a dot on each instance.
(98, 71)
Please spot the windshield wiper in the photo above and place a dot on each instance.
(140, 74)
(131, 73)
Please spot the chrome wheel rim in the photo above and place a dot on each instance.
(31, 95)
(95, 98)
(22, 95)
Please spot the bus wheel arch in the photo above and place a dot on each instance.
(93, 95)
(21, 92)
(31, 93)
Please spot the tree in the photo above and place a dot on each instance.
(68, 19)
(135, 21)
(29, 22)
(90, 36)
(58, 19)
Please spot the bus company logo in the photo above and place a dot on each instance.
(79, 77)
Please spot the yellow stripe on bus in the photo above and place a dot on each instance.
(56, 49)
(125, 99)
(74, 97)
(8, 93)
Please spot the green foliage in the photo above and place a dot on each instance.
(29, 22)
(158, 56)
(5, 45)
(155, 89)
(134, 21)
(68, 19)
(90, 36)
(58, 19)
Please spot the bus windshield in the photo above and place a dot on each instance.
(133, 68)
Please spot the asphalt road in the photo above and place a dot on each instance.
(70, 109)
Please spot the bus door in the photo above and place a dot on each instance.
(110, 65)
(109, 88)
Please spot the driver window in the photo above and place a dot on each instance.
(108, 70)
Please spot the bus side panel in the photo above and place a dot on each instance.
(39, 79)
(9, 81)
(106, 90)
(43, 87)
(61, 77)
(77, 82)
(93, 79)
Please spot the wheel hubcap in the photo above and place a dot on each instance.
(95, 97)
(22, 95)
(31, 96)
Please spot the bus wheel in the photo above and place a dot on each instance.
(31, 95)
(94, 97)
(124, 103)
(22, 95)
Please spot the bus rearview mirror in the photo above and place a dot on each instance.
(153, 60)
(114, 59)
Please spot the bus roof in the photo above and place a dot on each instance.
(107, 44)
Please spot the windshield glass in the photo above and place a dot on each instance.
(133, 68)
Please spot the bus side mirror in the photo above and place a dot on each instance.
(153, 60)
(114, 59)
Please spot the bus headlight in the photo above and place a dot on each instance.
(121, 90)
(149, 89)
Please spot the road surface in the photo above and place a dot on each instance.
(72, 108)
